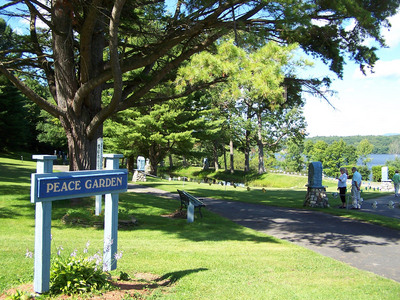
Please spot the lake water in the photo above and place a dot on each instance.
(379, 159)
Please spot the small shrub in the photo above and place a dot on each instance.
(75, 275)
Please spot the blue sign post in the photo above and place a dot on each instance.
(47, 186)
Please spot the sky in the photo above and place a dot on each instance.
(362, 105)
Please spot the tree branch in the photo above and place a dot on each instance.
(116, 70)
(130, 101)
(35, 12)
(30, 94)
(43, 62)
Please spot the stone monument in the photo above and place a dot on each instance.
(386, 183)
(147, 167)
(316, 192)
(139, 173)
(206, 164)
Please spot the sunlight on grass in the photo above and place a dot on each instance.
(212, 258)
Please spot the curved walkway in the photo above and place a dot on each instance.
(365, 246)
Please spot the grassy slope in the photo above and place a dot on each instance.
(212, 258)
(281, 190)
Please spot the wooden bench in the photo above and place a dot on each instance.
(187, 199)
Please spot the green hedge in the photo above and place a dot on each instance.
(377, 173)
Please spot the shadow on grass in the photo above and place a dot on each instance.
(14, 189)
(148, 210)
(7, 213)
(15, 173)
(175, 276)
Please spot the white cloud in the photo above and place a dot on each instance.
(387, 69)
(350, 26)
(392, 35)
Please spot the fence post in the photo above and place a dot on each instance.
(111, 219)
(43, 230)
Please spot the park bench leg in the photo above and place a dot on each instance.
(201, 215)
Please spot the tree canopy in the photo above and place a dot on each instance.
(382, 144)
(131, 50)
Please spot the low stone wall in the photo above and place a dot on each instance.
(316, 197)
(138, 176)
(386, 186)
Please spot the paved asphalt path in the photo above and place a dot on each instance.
(365, 246)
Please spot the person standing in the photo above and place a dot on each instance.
(396, 182)
(342, 186)
(355, 188)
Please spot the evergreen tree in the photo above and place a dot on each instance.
(14, 127)
(154, 132)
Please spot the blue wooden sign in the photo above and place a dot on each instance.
(48, 186)
(54, 186)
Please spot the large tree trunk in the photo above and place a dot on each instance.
(247, 152)
(247, 141)
(171, 163)
(130, 163)
(153, 168)
(225, 162)
(154, 157)
(232, 166)
(261, 167)
(82, 147)
(215, 156)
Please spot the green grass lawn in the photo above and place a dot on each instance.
(283, 197)
(212, 258)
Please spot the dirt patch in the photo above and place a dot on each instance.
(178, 214)
(138, 288)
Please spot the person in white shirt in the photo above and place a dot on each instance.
(342, 186)
(355, 188)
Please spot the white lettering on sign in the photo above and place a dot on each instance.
(65, 186)
(103, 183)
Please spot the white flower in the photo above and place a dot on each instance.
(118, 256)
(59, 249)
(73, 254)
(28, 254)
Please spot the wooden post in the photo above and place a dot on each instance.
(111, 219)
(43, 230)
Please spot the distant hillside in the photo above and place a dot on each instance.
(383, 144)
